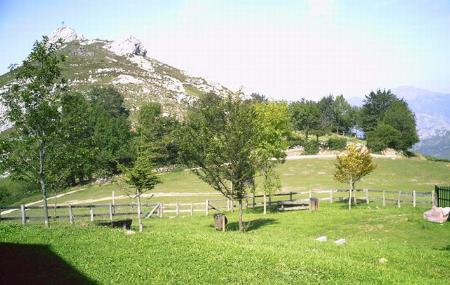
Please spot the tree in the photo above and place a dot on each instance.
(221, 140)
(375, 105)
(342, 114)
(305, 116)
(352, 165)
(141, 175)
(401, 118)
(273, 124)
(112, 130)
(327, 113)
(382, 137)
(32, 107)
(259, 98)
(158, 132)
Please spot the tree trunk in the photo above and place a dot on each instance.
(307, 134)
(138, 195)
(354, 192)
(42, 181)
(350, 196)
(241, 223)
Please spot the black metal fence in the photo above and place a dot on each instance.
(442, 195)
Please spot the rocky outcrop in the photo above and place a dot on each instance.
(129, 46)
(67, 34)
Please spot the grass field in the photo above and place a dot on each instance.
(296, 175)
(279, 248)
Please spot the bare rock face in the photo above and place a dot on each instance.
(67, 34)
(129, 46)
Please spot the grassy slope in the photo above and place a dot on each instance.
(299, 175)
(278, 249)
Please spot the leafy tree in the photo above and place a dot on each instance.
(273, 124)
(342, 114)
(142, 177)
(351, 166)
(158, 132)
(74, 150)
(327, 113)
(32, 107)
(375, 105)
(222, 141)
(382, 137)
(305, 116)
(112, 130)
(401, 118)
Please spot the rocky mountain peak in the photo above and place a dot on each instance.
(128, 46)
(67, 34)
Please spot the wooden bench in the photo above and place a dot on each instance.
(300, 204)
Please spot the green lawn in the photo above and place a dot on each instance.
(279, 248)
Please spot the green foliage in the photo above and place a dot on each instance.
(141, 175)
(353, 164)
(382, 137)
(158, 133)
(112, 130)
(32, 105)
(336, 143)
(375, 105)
(311, 147)
(401, 118)
(305, 116)
(229, 139)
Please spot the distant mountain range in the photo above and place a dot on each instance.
(432, 111)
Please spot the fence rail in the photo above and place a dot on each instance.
(90, 212)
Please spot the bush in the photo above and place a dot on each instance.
(311, 147)
(336, 143)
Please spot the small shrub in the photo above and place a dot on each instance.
(311, 147)
(336, 143)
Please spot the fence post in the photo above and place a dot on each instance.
(91, 212)
(114, 201)
(265, 204)
(310, 194)
(384, 199)
(432, 198)
(22, 211)
(367, 196)
(206, 207)
(110, 212)
(192, 209)
(414, 198)
(270, 200)
(253, 200)
(161, 209)
(398, 200)
(177, 209)
(70, 215)
(228, 204)
(290, 196)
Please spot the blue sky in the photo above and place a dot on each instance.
(284, 49)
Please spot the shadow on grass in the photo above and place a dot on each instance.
(36, 264)
(445, 248)
(251, 225)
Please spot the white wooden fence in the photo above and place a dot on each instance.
(92, 212)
